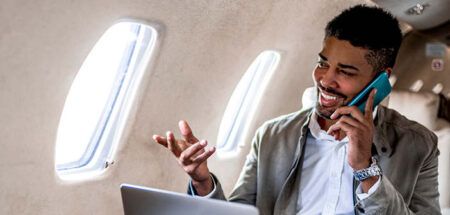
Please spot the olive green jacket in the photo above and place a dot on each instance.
(407, 153)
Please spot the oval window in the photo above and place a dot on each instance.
(243, 102)
(97, 106)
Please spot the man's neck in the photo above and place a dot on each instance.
(325, 123)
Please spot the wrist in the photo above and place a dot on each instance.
(368, 183)
(361, 165)
(369, 172)
(203, 187)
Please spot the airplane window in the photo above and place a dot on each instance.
(99, 100)
(243, 102)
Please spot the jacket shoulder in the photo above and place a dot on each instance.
(400, 127)
(287, 122)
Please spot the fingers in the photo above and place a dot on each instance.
(344, 126)
(197, 167)
(185, 156)
(186, 132)
(350, 120)
(369, 104)
(160, 139)
(338, 135)
(172, 145)
(187, 148)
(353, 111)
(204, 156)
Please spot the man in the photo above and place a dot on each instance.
(327, 160)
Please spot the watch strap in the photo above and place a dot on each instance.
(373, 170)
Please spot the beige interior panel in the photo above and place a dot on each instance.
(203, 50)
(413, 64)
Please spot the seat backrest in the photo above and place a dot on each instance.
(423, 107)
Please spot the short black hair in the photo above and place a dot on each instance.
(371, 28)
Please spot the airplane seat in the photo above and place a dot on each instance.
(309, 98)
(423, 107)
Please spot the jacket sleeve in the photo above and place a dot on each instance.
(217, 193)
(245, 189)
(425, 199)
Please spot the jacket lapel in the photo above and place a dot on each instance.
(286, 202)
(383, 148)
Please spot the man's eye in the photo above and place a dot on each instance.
(346, 73)
(321, 64)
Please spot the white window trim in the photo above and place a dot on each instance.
(236, 120)
(94, 163)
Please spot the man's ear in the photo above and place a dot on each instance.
(388, 71)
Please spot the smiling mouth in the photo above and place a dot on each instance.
(327, 100)
(329, 97)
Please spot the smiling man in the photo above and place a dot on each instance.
(333, 159)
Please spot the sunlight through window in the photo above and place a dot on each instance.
(243, 102)
(99, 99)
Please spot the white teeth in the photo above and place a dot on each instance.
(328, 97)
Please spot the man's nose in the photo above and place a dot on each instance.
(329, 79)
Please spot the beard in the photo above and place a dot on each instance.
(326, 112)
(322, 112)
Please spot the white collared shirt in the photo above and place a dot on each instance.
(326, 183)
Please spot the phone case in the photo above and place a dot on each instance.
(381, 83)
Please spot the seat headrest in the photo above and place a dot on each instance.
(421, 107)
(309, 98)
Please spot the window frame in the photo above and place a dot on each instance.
(236, 120)
(99, 153)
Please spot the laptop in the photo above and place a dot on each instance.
(139, 200)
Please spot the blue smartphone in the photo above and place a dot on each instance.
(381, 83)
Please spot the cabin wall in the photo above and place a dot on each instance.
(413, 64)
(204, 49)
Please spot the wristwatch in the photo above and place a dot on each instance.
(373, 170)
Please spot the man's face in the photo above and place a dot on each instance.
(342, 71)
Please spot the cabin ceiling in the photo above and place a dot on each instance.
(440, 33)
(420, 14)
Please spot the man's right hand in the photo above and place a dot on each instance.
(191, 155)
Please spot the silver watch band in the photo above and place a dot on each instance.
(373, 170)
